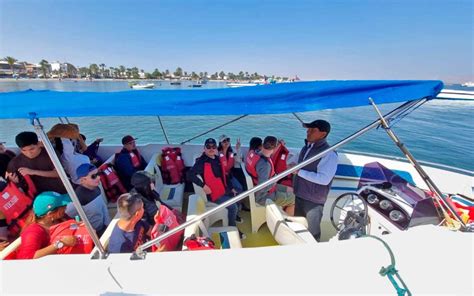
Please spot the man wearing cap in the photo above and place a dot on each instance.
(313, 182)
(91, 198)
(35, 162)
(49, 209)
(128, 161)
(215, 184)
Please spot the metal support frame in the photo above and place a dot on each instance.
(213, 129)
(163, 128)
(297, 117)
(140, 251)
(431, 185)
(70, 190)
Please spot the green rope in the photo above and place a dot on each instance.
(390, 270)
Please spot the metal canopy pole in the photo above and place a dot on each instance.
(163, 128)
(140, 251)
(213, 129)
(431, 185)
(62, 174)
(297, 117)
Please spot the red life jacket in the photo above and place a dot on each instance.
(113, 187)
(251, 166)
(279, 158)
(84, 243)
(172, 165)
(251, 160)
(169, 220)
(227, 163)
(16, 207)
(215, 183)
(135, 158)
(194, 243)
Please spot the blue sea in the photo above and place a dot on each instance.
(440, 131)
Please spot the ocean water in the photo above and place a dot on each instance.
(439, 131)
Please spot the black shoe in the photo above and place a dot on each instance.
(245, 209)
(242, 235)
(239, 219)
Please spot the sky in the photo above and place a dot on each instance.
(336, 39)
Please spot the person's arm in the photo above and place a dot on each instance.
(71, 211)
(326, 170)
(47, 174)
(194, 171)
(124, 165)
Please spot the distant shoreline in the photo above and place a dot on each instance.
(104, 79)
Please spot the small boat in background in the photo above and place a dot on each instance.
(468, 84)
(175, 82)
(136, 85)
(233, 85)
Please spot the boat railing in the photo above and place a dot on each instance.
(140, 251)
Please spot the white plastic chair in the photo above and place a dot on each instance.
(285, 229)
(257, 212)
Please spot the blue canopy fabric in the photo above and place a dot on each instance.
(262, 99)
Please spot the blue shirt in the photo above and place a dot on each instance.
(127, 242)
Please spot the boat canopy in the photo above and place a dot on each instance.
(263, 99)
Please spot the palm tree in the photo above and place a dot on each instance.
(178, 72)
(44, 67)
(11, 61)
(94, 70)
(102, 69)
(122, 70)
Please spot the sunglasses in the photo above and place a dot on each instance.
(94, 176)
(211, 147)
(226, 140)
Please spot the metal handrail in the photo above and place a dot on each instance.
(140, 251)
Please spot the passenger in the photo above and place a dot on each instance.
(228, 159)
(313, 182)
(91, 151)
(128, 161)
(35, 162)
(49, 210)
(282, 195)
(217, 187)
(255, 145)
(91, 198)
(143, 185)
(130, 231)
(4, 150)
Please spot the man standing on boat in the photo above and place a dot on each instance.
(128, 161)
(313, 182)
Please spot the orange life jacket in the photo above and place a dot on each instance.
(172, 165)
(216, 184)
(113, 187)
(251, 160)
(227, 163)
(16, 206)
(84, 243)
(251, 168)
(165, 221)
(135, 158)
(279, 158)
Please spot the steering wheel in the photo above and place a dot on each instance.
(352, 212)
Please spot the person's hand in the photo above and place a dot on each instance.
(161, 248)
(26, 171)
(157, 215)
(2, 148)
(206, 189)
(234, 191)
(12, 177)
(3, 245)
(282, 142)
(98, 140)
(69, 240)
(237, 144)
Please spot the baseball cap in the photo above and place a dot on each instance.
(127, 139)
(210, 141)
(48, 201)
(322, 125)
(222, 138)
(84, 169)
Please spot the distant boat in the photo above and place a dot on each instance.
(142, 86)
(233, 85)
(451, 94)
(197, 84)
(468, 84)
(175, 83)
